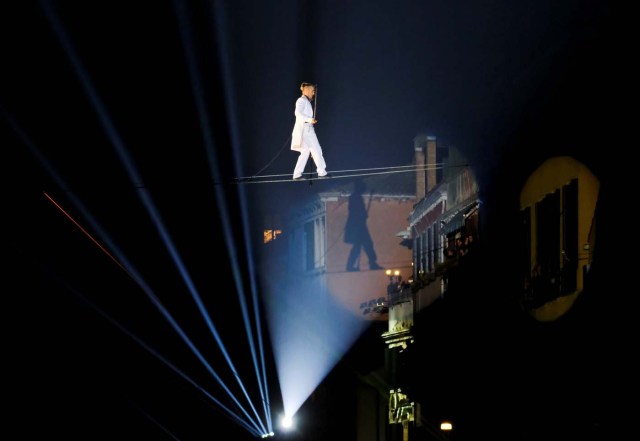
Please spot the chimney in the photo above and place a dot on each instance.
(425, 155)
(419, 146)
(431, 163)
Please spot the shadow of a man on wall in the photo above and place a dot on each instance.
(356, 230)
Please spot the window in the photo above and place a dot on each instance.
(423, 252)
(417, 268)
(554, 238)
(431, 247)
(271, 235)
(314, 244)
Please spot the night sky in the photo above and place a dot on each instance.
(109, 108)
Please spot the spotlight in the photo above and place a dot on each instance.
(287, 422)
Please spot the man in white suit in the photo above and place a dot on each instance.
(303, 137)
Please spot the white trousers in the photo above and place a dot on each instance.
(310, 146)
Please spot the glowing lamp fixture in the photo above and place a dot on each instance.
(287, 422)
(390, 273)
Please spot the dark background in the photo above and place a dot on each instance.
(507, 84)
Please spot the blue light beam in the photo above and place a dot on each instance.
(198, 94)
(146, 200)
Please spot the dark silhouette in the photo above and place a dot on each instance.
(356, 231)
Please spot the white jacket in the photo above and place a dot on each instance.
(304, 117)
